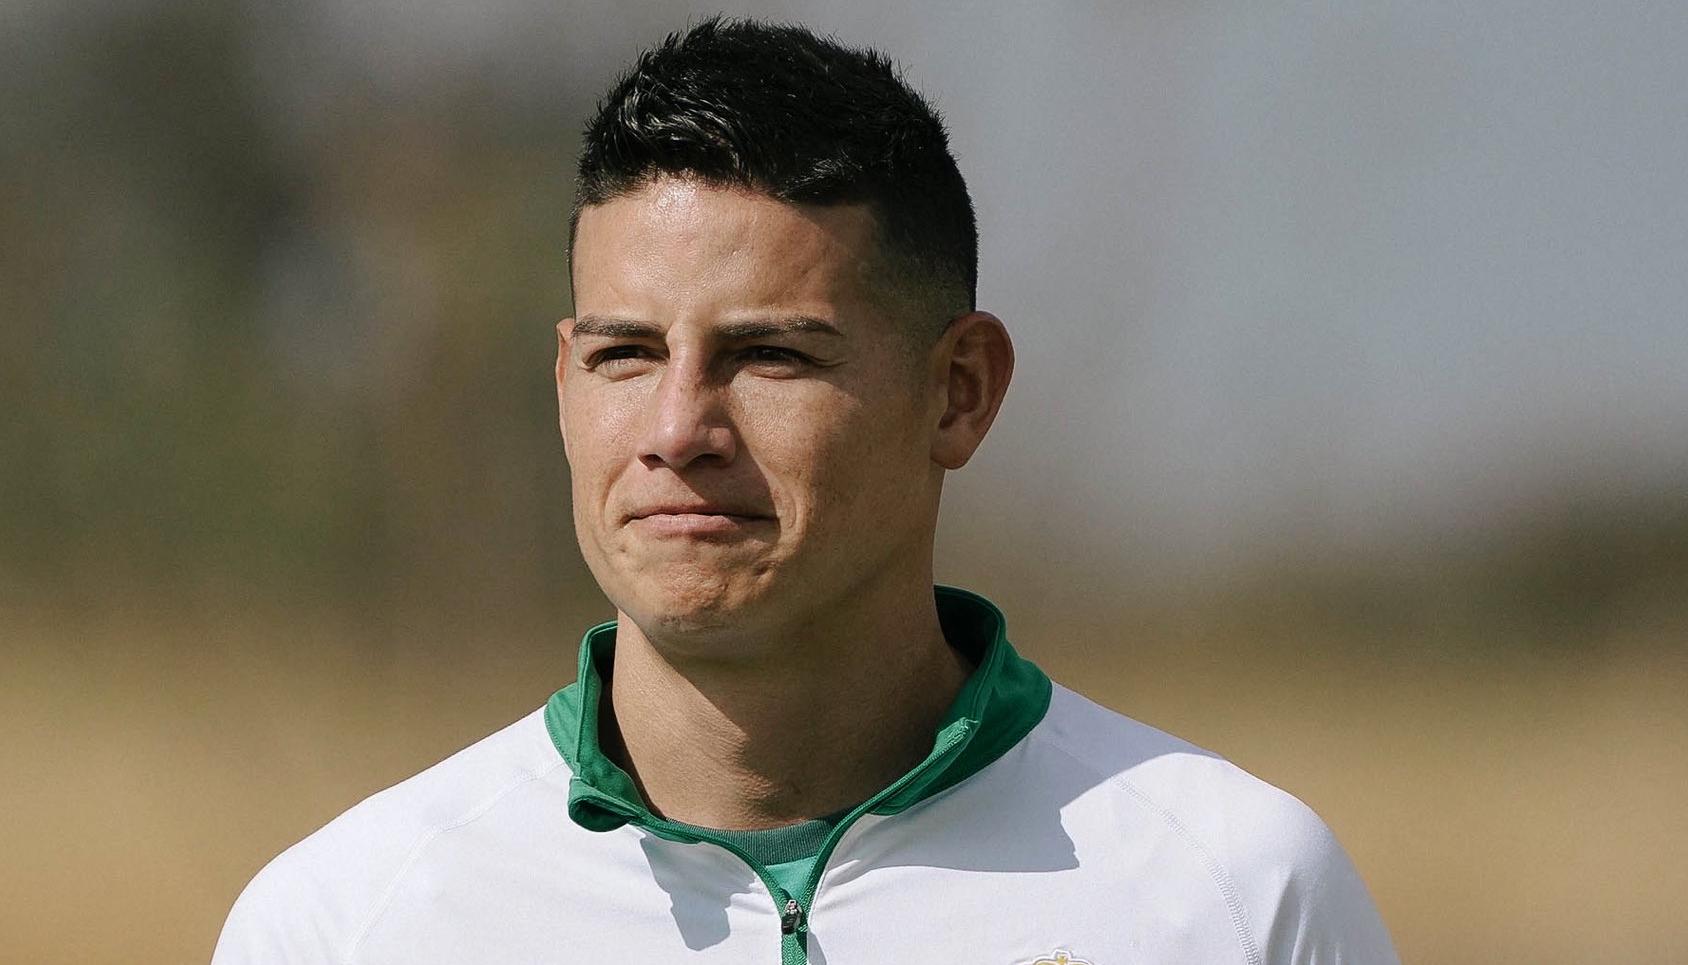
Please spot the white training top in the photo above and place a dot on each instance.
(1092, 838)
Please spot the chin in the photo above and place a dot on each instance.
(688, 599)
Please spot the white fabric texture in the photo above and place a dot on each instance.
(1095, 836)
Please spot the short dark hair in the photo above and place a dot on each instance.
(804, 119)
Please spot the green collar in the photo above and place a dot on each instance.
(1002, 700)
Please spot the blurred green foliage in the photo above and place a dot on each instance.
(252, 348)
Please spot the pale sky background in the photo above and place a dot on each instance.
(1270, 265)
(1276, 271)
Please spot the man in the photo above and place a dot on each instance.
(788, 743)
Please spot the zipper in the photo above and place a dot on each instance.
(798, 931)
(792, 918)
(794, 915)
(794, 923)
(794, 934)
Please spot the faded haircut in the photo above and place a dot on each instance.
(775, 109)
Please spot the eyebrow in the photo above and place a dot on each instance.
(604, 327)
(608, 327)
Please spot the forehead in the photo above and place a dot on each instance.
(684, 243)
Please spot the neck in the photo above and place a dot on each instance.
(826, 711)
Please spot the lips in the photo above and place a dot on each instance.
(696, 509)
(710, 522)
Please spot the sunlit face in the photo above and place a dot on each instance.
(749, 432)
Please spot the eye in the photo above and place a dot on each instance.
(774, 355)
(617, 357)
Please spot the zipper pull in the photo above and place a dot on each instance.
(792, 919)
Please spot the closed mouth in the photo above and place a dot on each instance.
(694, 511)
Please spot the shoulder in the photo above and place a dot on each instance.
(1233, 814)
(1292, 892)
(313, 900)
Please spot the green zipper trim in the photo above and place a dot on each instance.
(1002, 700)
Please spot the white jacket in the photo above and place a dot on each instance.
(1042, 829)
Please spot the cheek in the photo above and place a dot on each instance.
(599, 429)
(831, 456)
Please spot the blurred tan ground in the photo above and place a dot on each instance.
(1524, 809)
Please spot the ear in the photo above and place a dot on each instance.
(972, 363)
(565, 330)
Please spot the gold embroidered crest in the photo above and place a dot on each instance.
(1059, 957)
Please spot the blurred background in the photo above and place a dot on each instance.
(1349, 435)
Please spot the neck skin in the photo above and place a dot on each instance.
(831, 708)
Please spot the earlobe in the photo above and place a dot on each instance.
(977, 363)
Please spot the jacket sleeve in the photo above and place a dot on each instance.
(1323, 914)
(284, 917)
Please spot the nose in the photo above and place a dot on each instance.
(687, 422)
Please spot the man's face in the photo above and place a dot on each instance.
(749, 432)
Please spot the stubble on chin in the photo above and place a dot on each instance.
(688, 597)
